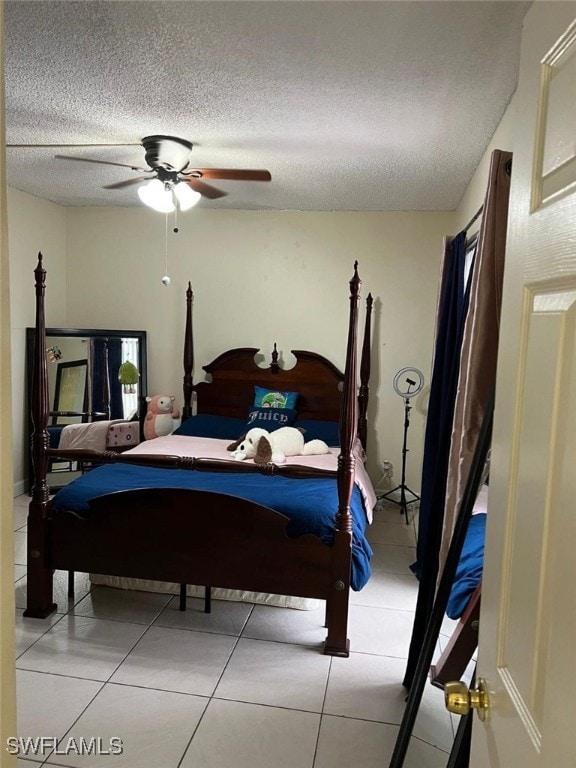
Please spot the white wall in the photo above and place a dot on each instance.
(260, 277)
(33, 225)
(473, 197)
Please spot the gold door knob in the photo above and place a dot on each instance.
(459, 699)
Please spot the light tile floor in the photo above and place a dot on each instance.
(245, 686)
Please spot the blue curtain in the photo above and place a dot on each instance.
(106, 360)
(114, 363)
(99, 377)
(449, 334)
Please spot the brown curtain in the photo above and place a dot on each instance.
(477, 375)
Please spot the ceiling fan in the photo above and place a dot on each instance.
(169, 172)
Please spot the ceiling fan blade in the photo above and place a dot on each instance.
(126, 183)
(228, 173)
(100, 162)
(206, 190)
(53, 146)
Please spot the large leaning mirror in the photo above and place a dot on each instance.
(422, 705)
(93, 375)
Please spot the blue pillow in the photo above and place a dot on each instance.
(271, 398)
(319, 430)
(209, 425)
(270, 419)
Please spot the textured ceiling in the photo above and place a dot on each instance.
(350, 105)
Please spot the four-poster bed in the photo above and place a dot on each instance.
(200, 534)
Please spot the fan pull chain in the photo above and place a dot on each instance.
(175, 230)
(166, 278)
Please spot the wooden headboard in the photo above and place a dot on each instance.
(234, 374)
(320, 385)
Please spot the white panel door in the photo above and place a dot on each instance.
(527, 639)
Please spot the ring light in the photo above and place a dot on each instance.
(408, 382)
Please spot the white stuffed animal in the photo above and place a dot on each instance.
(265, 447)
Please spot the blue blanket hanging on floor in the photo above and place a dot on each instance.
(469, 570)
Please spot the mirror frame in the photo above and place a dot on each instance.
(81, 333)
(421, 674)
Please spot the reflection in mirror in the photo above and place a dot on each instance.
(70, 392)
(93, 376)
(404, 754)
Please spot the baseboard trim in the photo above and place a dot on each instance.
(20, 487)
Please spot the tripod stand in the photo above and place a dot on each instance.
(403, 503)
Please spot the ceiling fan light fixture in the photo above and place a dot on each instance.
(167, 152)
(155, 195)
(185, 195)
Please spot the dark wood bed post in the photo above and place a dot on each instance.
(274, 365)
(188, 356)
(337, 643)
(39, 583)
(365, 363)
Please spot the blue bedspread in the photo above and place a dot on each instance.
(310, 505)
(469, 570)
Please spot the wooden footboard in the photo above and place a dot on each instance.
(461, 647)
(191, 537)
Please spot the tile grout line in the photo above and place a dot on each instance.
(212, 697)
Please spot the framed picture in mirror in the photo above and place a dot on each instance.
(71, 392)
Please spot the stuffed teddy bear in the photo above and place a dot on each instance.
(265, 447)
(159, 415)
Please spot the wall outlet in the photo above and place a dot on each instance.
(384, 484)
(387, 469)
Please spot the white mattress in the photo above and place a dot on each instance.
(146, 585)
